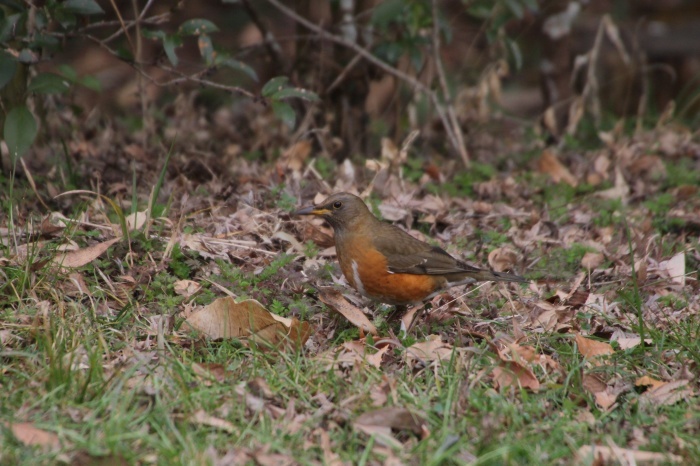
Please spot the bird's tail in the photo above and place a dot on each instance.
(481, 275)
(506, 277)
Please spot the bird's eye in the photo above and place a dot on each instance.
(337, 205)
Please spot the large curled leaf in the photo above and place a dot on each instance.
(20, 130)
(248, 321)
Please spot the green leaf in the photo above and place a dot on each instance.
(170, 43)
(196, 27)
(68, 72)
(20, 130)
(8, 26)
(295, 92)
(516, 8)
(206, 48)
(49, 83)
(82, 7)
(284, 112)
(274, 85)
(388, 11)
(8, 68)
(65, 18)
(91, 83)
(237, 65)
(14, 5)
(515, 51)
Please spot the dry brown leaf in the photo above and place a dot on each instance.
(603, 394)
(186, 288)
(294, 157)
(376, 358)
(136, 220)
(513, 374)
(273, 459)
(648, 381)
(201, 417)
(675, 267)
(353, 314)
(210, 371)
(26, 433)
(393, 417)
(409, 318)
(550, 164)
(330, 458)
(249, 321)
(619, 191)
(592, 348)
(600, 455)
(592, 260)
(433, 349)
(667, 394)
(83, 256)
(502, 259)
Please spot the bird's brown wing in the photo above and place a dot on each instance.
(405, 254)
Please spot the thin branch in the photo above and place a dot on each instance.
(447, 97)
(270, 43)
(445, 116)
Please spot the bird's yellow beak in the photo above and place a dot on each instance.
(312, 210)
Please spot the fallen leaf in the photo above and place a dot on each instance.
(667, 394)
(26, 433)
(592, 260)
(502, 259)
(550, 164)
(249, 321)
(592, 348)
(514, 374)
(599, 455)
(675, 267)
(186, 288)
(433, 349)
(408, 318)
(201, 417)
(394, 417)
(83, 256)
(648, 381)
(620, 191)
(353, 314)
(603, 394)
(136, 220)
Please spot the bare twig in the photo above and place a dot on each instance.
(121, 22)
(447, 97)
(444, 115)
(269, 42)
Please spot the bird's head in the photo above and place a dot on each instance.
(340, 210)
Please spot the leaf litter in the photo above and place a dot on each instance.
(582, 266)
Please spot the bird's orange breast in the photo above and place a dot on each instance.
(366, 270)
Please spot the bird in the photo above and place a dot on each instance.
(384, 263)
